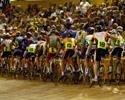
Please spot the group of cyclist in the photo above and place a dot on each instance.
(94, 45)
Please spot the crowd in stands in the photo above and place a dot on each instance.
(63, 17)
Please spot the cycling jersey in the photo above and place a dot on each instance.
(101, 39)
(53, 42)
(82, 36)
(7, 44)
(42, 47)
(72, 32)
(31, 48)
(69, 43)
(19, 41)
(86, 41)
(119, 42)
(69, 47)
(27, 42)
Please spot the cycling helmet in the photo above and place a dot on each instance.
(99, 28)
(119, 29)
(29, 33)
(6, 35)
(18, 33)
(91, 30)
(113, 31)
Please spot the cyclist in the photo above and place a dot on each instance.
(69, 44)
(53, 46)
(118, 45)
(85, 45)
(18, 43)
(18, 50)
(29, 47)
(7, 45)
(101, 43)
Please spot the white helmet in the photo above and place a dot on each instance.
(120, 29)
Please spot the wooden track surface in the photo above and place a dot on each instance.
(27, 90)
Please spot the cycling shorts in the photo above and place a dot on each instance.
(69, 53)
(117, 52)
(100, 53)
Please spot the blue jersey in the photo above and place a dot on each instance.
(72, 32)
(19, 41)
(27, 42)
(85, 42)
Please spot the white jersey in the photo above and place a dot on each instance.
(7, 45)
(87, 40)
(32, 48)
(7, 42)
(101, 38)
(33, 45)
(42, 44)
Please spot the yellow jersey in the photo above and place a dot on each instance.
(69, 43)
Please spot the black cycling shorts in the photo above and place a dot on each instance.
(40, 52)
(69, 53)
(117, 52)
(29, 55)
(18, 52)
(6, 54)
(84, 53)
(100, 53)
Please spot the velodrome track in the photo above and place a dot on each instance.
(30, 90)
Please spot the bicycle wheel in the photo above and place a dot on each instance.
(101, 79)
(118, 73)
(91, 76)
(110, 74)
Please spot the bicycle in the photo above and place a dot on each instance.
(28, 68)
(89, 74)
(78, 74)
(115, 71)
(68, 74)
(16, 68)
(56, 70)
(37, 70)
(5, 66)
(101, 75)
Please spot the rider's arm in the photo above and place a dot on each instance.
(90, 46)
(111, 36)
(47, 42)
(58, 45)
(82, 36)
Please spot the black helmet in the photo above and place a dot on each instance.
(69, 34)
(18, 33)
(90, 30)
(99, 28)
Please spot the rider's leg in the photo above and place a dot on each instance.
(63, 62)
(70, 62)
(78, 58)
(70, 59)
(86, 66)
(97, 59)
(96, 64)
(111, 59)
(48, 62)
(119, 57)
(62, 66)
